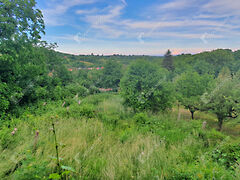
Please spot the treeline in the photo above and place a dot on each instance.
(82, 61)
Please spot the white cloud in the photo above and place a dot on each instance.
(124, 2)
(106, 21)
(109, 16)
(177, 4)
(87, 11)
(58, 8)
(209, 21)
(223, 7)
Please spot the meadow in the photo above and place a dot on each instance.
(101, 139)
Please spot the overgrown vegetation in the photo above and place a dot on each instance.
(58, 120)
(114, 143)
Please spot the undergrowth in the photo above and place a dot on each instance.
(100, 139)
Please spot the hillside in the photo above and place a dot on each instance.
(100, 139)
(78, 117)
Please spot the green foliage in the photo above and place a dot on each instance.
(103, 139)
(6, 138)
(223, 98)
(4, 101)
(87, 111)
(227, 155)
(190, 87)
(29, 68)
(144, 87)
(30, 168)
(141, 118)
(211, 137)
(140, 146)
(77, 111)
(112, 73)
(20, 20)
(76, 90)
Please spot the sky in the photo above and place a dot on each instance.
(141, 27)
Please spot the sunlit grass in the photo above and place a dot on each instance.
(98, 149)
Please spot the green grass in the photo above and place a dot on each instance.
(100, 139)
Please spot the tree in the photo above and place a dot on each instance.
(224, 97)
(144, 87)
(190, 86)
(112, 73)
(168, 61)
(21, 25)
(20, 20)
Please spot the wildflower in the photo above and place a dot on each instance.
(13, 132)
(15, 129)
(37, 133)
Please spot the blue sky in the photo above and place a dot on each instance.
(148, 27)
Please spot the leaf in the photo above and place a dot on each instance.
(54, 176)
(66, 173)
(68, 168)
(55, 158)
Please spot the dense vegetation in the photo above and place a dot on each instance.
(58, 119)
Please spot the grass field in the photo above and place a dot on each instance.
(102, 139)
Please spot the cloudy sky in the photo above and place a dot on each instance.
(148, 27)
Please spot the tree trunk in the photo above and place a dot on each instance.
(179, 113)
(220, 123)
(192, 114)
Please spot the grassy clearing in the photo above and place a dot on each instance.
(101, 139)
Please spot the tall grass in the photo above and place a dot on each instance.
(111, 145)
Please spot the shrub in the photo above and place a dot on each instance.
(31, 168)
(6, 138)
(211, 138)
(227, 155)
(85, 110)
(141, 118)
(74, 90)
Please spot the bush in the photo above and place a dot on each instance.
(85, 110)
(6, 138)
(227, 155)
(70, 91)
(58, 93)
(212, 137)
(31, 168)
(74, 90)
(93, 90)
(141, 118)
(4, 103)
(111, 119)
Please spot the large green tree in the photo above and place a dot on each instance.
(190, 86)
(144, 87)
(21, 62)
(224, 97)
